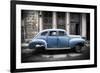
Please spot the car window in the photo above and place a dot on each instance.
(61, 33)
(44, 33)
(53, 33)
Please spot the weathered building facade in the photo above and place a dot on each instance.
(34, 21)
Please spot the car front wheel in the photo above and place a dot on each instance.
(39, 49)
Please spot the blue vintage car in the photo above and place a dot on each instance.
(56, 39)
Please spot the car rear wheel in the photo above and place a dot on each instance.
(78, 48)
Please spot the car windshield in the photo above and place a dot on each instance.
(44, 33)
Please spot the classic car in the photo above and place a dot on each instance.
(56, 39)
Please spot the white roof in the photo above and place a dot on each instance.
(53, 30)
(49, 30)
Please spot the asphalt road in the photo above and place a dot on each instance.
(28, 55)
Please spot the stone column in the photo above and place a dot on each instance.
(68, 22)
(54, 20)
(84, 25)
(40, 21)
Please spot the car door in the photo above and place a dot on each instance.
(63, 39)
(52, 39)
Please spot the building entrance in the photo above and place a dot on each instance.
(75, 28)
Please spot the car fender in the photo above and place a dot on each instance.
(43, 42)
(74, 41)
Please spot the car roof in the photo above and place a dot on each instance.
(53, 30)
(49, 30)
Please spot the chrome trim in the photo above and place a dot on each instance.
(57, 48)
(39, 45)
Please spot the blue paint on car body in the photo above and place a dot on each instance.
(56, 38)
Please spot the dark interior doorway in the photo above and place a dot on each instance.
(47, 19)
(75, 23)
(75, 29)
(88, 26)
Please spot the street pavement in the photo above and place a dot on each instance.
(28, 55)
